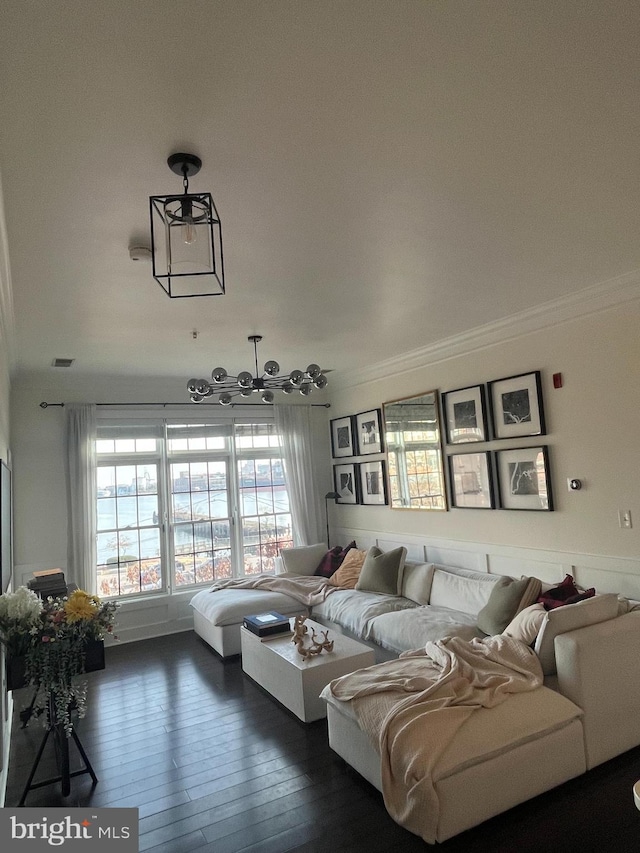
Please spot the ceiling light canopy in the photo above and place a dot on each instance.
(245, 385)
(186, 237)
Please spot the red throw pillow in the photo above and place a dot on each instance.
(332, 560)
(565, 593)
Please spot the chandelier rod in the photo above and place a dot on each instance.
(45, 405)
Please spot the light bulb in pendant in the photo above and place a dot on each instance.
(189, 231)
(188, 224)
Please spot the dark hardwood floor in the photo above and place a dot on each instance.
(215, 765)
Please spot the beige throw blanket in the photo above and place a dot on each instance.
(307, 590)
(412, 708)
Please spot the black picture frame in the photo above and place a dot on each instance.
(368, 429)
(373, 483)
(524, 479)
(471, 480)
(465, 415)
(516, 406)
(342, 443)
(346, 484)
(6, 525)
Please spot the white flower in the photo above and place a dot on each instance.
(21, 608)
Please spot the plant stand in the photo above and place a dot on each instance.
(61, 747)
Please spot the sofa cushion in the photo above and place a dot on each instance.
(491, 732)
(347, 575)
(230, 606)
(459, 589)
(332, 560)
(303, 559)
(562, 619)
(411, 629)
(508, 597)
(382, 571)
(416, 582)
(354, 610)
(525, 626)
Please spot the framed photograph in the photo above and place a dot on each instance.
(342, 437)
(345, 483)
(516, 406)
(373, 484)
(465, 415)
(369, 432)
(471, 481)
(523, 478)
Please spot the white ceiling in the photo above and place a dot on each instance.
(389, 173)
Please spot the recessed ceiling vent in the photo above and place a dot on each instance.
(62, 362)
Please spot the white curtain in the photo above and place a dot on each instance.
(81, 495)
(295, 426)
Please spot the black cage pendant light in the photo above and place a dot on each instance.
(186, 237)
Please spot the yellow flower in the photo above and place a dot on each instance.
(80, 606)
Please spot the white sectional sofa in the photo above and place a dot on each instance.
(587, 712)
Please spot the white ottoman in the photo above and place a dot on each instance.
(217, 616)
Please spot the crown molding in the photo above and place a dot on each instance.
(591, 300)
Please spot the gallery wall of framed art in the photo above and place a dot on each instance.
(495, 477)
(354, 437)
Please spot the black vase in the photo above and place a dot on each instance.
(17, 665)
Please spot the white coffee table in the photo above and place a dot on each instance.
(276, 665)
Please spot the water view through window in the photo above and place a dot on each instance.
(213, 519)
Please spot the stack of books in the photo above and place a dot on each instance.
(267, 624)
(49, 582)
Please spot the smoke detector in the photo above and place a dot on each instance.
(140, 253)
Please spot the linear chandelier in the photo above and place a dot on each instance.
(244, 384)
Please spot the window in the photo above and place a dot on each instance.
(180, 505)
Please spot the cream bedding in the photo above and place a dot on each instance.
(411, 709)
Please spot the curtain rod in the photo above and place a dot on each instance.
(44, 405)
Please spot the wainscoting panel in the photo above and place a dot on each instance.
(605, 573)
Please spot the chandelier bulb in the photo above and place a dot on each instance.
(272, 368)
(196, 398)
(224, 399)
(218, 374)
(245, 379)
(321, 381)
(296, 377)
(313, 371)
(305, 390)
(267, 396)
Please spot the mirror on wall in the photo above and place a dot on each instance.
(415, 466)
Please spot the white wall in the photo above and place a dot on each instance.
(593, 426)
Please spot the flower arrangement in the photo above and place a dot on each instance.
(52, 635)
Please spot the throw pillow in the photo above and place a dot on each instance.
(525, 626)
(347, 575)
(416, 580)
(381, 572)
(558, 595)
(332, 560)
(559, 620)
(507, 598)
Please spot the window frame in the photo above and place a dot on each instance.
(164, 457)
